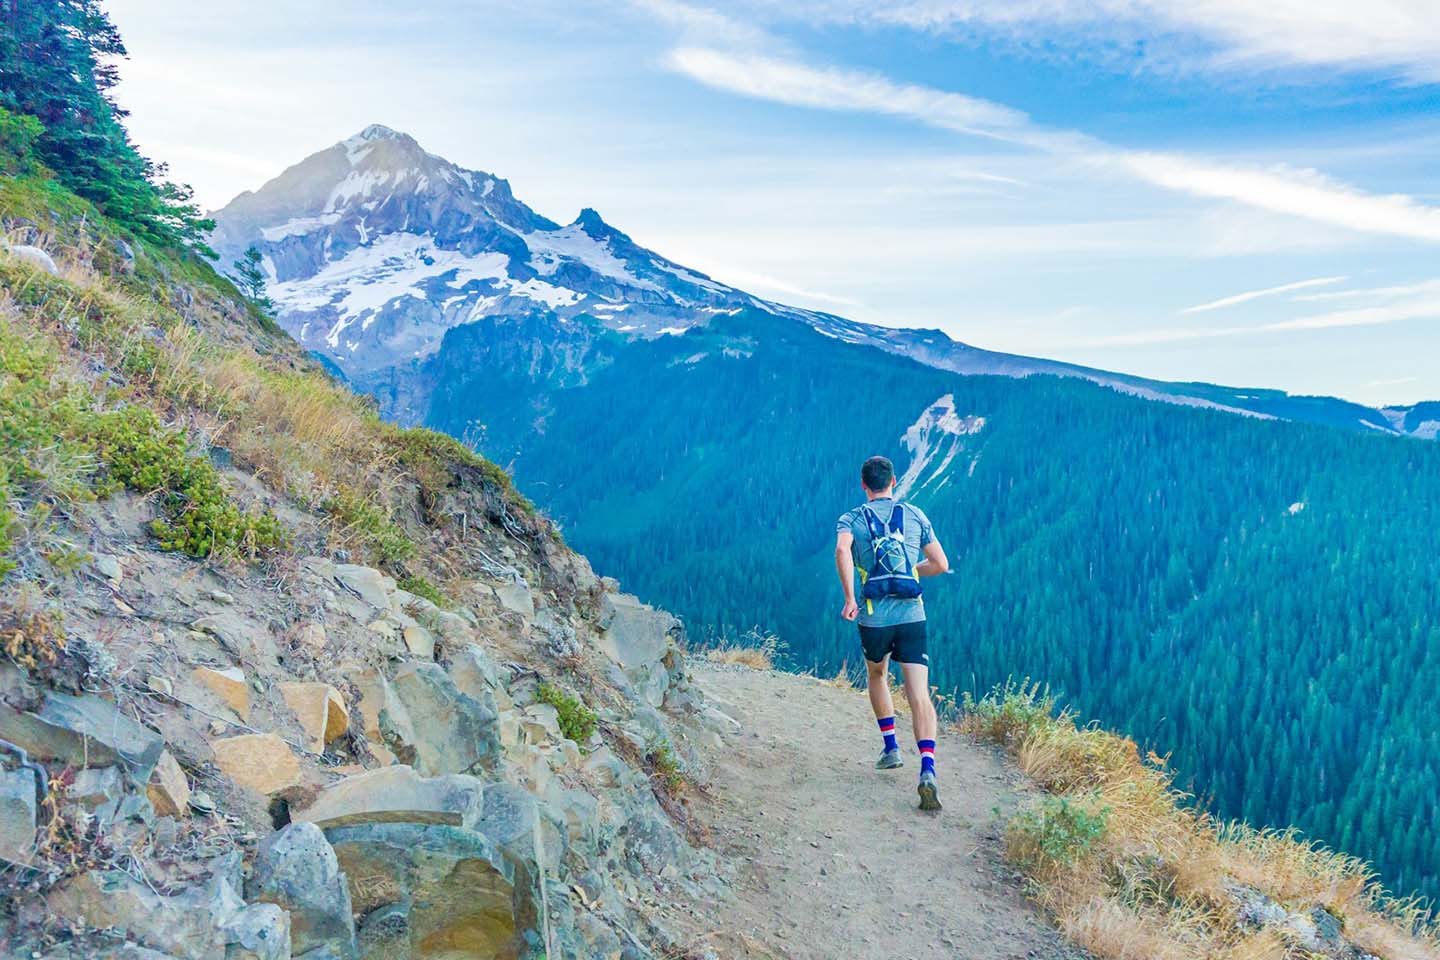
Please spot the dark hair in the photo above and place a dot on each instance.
(877, 474)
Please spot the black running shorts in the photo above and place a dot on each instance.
(903, 643)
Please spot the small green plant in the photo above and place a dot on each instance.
(360, 518)
(421, 587)
(577, 721)
(1054, 834)
(65, 559)
(200, 518)
(668, 769)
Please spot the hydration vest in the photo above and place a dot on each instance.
(891, 574)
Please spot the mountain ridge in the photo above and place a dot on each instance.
(375, 248)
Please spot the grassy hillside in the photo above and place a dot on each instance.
(138, 367)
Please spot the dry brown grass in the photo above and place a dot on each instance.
(755, 650)
(1159, 879)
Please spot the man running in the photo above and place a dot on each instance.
(883, 539)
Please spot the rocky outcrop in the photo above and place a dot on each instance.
(642, 642)
(386, 783)
(454, 733)
(83, 731)
(17, 814)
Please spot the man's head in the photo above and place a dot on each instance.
(878, 476)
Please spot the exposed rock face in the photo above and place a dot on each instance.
(209, 922)
(260, 761)
(320, 709)
(229, 685)
(397, 794)
(296, 869)
(84, 730)
(455, 732)
(454, 885)
(169, 790)
(456, 826)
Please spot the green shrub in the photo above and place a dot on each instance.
(418, 585)
(1056, 833)
(57, 443)
(1010, 713)
(577, 721)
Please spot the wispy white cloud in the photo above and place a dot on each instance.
(1397, 36)
(1293, 192)
(1249, 295)
(829, 88)
(1373, 293)
(1282, 190)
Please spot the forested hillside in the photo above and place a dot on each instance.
(1255, 596)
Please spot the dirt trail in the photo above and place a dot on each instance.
(841, 864)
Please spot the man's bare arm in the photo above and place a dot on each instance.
(935, 562)
(845, 567)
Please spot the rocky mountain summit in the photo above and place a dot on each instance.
(376, 248)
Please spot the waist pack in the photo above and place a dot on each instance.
(892, 574)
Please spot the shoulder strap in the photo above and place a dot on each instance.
(873, 522)
(897, 519)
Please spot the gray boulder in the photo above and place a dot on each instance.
(429, 891)
(396, 794)
(513, 821)
(205, 922)
(453, 732)
(641, 641)
(296, 869)
(84, 731)
(34, 256)
(17, 815)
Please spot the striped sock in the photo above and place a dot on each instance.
(927, 755)
(887, 730)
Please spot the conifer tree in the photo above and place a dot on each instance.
(249, 276)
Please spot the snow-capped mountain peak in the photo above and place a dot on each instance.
(375, 248)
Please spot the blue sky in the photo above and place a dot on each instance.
(1208, 190)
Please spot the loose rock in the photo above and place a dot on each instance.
(296, 869)
(260, 761)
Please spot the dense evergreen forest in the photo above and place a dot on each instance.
(1258, 598)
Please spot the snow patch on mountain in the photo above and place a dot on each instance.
(299, 226)
(934, 441)
(549, 249)
(369, 277)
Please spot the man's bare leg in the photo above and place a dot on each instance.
(922, 717)
(917, 694)
(877, 683)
